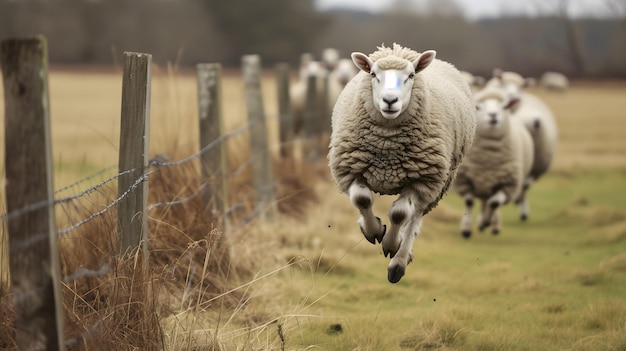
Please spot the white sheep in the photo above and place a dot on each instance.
(497, 165)
(298, 91)
(475, 82)
(539, 121)
(344, 71)
(554, 81)
(400, 127)
(330, 58)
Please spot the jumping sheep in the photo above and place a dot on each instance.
(539, 121)
(498, 163)
(401, 127)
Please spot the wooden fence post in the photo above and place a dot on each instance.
(311, 123)
(33, 257)
(262, 160)
(132, 219)
(285, 117)
(214, 161)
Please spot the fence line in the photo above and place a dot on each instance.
(132, 176)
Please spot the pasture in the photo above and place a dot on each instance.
(556, 282)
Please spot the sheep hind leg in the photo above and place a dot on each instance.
(524, 208)
(399, 214)
(404, 255)
(371, 226)
(466, 221)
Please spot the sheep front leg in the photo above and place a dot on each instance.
(404, 256)
(371, 226)
(492, 204)
(466, 221)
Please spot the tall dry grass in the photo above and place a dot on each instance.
(113, 303)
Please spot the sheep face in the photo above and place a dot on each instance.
(492, 116)
(392, 81)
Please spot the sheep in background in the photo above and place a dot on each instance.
(554, 81)
(344, 71)
(475, 82)
(400, 127)
(498, 164)
(539, 121)
(330, 58)
(298, 90)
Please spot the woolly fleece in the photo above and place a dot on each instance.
(421, 148)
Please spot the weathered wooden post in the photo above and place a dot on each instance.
(215, 159)
(132, 219)
(33, 257)
(285, 117)
(311, 121)
(262, 160)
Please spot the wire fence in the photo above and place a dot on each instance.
(156, 164)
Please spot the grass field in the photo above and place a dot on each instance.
(556, 282)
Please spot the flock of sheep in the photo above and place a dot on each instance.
(411, 125)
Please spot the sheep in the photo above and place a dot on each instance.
(498, 163)
(475, 82)
(344, 71)
(298, 90)
(539, 121)
(330, 58)
(401, 127)
(554, 81)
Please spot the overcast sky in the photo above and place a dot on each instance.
(481, 8)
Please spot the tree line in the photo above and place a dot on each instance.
(186, 32)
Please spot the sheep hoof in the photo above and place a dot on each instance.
(523, 217)
(378, 237)
(482, 227)
(466, 234)
(495, 231)
(395, 273)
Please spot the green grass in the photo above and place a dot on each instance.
(557, 282)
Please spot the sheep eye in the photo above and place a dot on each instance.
(411, 75)
(373, 75)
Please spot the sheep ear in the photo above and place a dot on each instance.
(423, 60)
(362, 61)
(512, 104)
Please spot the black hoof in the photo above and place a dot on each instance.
(523, 217)
(494, 205)
(495, 231)
(395, 273)
(482, 227)
(378, 237)
(466, 234)
(388, 253)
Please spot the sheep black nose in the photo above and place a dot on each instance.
(390, 102)
(493, 115)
